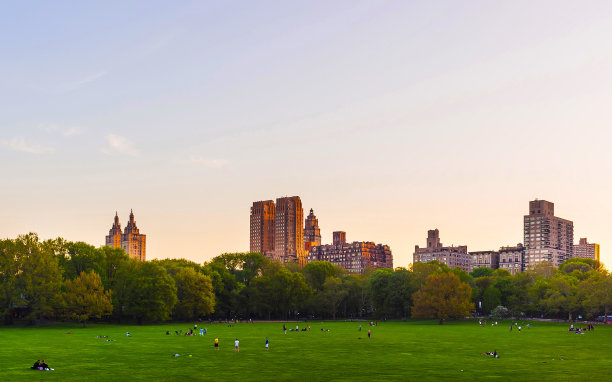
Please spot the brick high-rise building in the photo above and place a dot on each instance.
(546, 236)
(355, 256)
(312, 234)
(262, 228)
(131, 240)
(451, 256)
(586, 250)
(288, 230)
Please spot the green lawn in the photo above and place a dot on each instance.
(419, 350)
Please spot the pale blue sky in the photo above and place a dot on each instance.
(388, 118)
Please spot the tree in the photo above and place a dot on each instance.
(38, 280)
(597, 294)
(81, 257)
(195, 294)
(10, 264)
(151, 292)
(443, 296)
(332, 295)
(378, 289)
(584, 265)
(400, 290)
(481, 272)
(422, 270)
(491, 298)
(85, 298)
(317, 271)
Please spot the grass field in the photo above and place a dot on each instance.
(419, 350)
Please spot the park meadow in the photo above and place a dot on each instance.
(329, 351)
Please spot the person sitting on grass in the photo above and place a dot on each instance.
(44, 366)
(36, 365)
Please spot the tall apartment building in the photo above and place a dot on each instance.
(484, 259)
(312, 234)
(546, 236)
(288, 230)
(586, 250)
(339, 237)
(262, 228)
(131, 240)
(451, 256)
(512, 258)
(356, 257)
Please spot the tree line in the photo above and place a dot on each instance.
(56, 279)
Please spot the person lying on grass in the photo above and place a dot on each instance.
(494, 354)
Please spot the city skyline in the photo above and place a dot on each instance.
(388, 118)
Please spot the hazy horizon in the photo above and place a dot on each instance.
(387, 118)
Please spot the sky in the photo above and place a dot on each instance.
(388, 118)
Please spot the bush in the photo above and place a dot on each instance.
(500, 312)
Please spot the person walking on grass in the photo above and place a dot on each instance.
(236, 346)
(267, 344)
(216, 343)
(369, 333)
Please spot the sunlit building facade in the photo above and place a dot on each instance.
(262, 228)
(586, 250)
(131, 240)
(289, 231)
(453, 256)
(546, 236)
(355, 257)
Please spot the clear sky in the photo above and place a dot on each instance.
(388, 118)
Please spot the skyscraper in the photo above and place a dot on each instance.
(312, 233)
(131, 240)
(288, 230)
(586, 250)
(262, 228)
(547, 237)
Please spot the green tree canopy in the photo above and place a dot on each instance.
(151, 292)
(195, 294)
(85, 298)
(443, 296)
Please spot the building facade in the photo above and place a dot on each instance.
(451, 256)
(486, 259)
(114, 235)
(262, 228)
(546, 236)
(289, 231)
(586, 250)
(131, 240)
(356, 257)
(312, 234)
(512, 258)
(339, 237)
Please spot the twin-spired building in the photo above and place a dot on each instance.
(131, 240)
